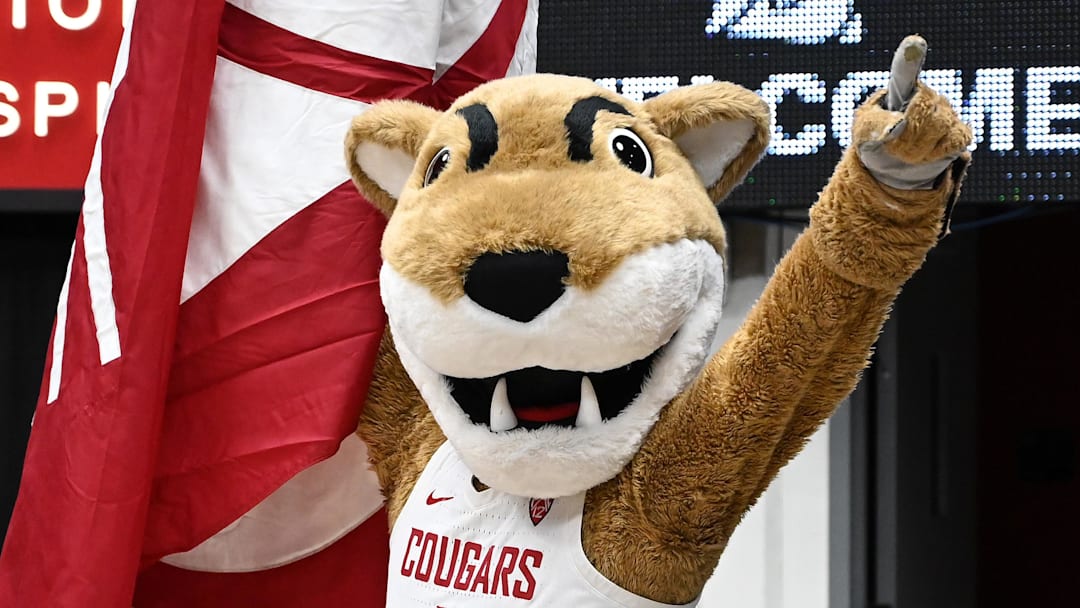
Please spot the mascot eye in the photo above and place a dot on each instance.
(437, 165)
(631, 151)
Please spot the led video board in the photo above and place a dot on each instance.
(1011, 68)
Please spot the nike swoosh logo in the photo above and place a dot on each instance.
(431, 499)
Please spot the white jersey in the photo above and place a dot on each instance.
(453, 546)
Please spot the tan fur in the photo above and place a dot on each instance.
(398, 428)
(799, 353)
(678, 111)
(659, 527)
(531, 196)
(398, 125)
(931, 130)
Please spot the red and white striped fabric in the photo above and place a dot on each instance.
(194, 433)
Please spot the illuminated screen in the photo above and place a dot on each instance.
(1011, 68)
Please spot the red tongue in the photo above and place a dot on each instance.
(546, 413)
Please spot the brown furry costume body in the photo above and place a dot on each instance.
(659, 526)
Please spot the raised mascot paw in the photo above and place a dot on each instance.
(907, 135)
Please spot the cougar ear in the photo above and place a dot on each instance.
(722, 128)
(381, 149)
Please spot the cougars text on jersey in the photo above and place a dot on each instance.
(469, 566)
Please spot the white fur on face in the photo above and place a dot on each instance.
(649, 297)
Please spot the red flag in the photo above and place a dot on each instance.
(77, 531)
(252, 489)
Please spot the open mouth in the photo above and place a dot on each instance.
(534, 397)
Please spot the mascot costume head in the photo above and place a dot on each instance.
(553, 276)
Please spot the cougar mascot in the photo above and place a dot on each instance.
(551, 418)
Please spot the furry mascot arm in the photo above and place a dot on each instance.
(801, 349)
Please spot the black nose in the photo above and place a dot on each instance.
(518, 284)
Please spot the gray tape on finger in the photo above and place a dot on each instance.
(906, 65)
(895, 131)
(894, 172)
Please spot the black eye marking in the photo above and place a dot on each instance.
(631, 151)
(579, 124)
(483, 135)
(437, 165)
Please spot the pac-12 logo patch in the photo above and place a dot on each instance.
(539, 508)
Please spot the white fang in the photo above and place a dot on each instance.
(502, 417)
(588, 408)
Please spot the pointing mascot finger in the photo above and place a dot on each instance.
(549, 419)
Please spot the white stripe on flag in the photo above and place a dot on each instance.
(524, 61)
(463, 22)
(321, 504)
(98, 269)
(262, 163)
(59, 334)
(405, 31)
(99, 277)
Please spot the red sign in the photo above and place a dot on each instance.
(56, 59)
